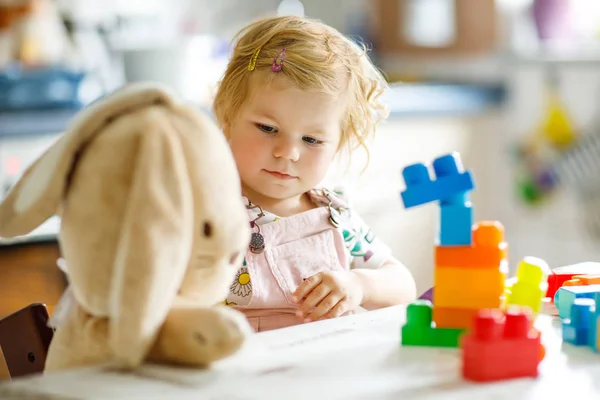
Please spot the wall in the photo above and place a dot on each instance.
(554, 232)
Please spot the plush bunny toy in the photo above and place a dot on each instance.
(153, 230)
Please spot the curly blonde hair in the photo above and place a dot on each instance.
(318, 58)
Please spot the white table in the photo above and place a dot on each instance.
(355, 357)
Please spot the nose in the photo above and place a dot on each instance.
(286, 148)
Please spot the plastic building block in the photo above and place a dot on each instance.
(501, 346)
(558, 276)
(428, 295)
(420, 331)
(593, 337)
(487, 251)
(583, 280)
(594, 325)
(566, 295)
(531, 284)
(454, 318)
(451, 181)
(575, 330)
(456, 224)
(469, 287)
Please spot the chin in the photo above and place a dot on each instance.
(282, 193)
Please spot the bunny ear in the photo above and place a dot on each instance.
(38, 193)
(155, 240)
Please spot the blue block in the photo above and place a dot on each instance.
(575, 330)
(566, 295)
(451, 182)
(457, 200)
(593, 325)
(575, 336)
(456, 222)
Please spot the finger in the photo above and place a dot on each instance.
(326, 306)
(338, 310)
(313, 299)
(306, 287)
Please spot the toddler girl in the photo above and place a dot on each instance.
(295, 93)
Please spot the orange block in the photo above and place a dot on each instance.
(488, 249)
(469, 287)
(458, 318)
(583, 280)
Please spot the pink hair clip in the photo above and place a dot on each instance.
(277, 66)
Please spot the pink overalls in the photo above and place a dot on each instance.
(296, 247)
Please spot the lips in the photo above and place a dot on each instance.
(280, 175)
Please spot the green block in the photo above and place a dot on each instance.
(419, 330)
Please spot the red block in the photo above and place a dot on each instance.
(558, 276)
(501, 346)
(555, 282)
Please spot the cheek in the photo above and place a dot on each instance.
(247, 150)
(320, 161)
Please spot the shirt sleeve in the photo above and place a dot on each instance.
(366, 249)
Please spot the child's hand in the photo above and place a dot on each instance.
(329, 294)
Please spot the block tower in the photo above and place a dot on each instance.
(470, 258)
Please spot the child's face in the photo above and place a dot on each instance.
(284, 140)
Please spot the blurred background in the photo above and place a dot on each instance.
(513, 85)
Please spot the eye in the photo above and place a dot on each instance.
(266, 128)
(207, 229)
(311, 140)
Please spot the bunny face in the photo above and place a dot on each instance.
(221, 226)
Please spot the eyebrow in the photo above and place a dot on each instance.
(265, 115)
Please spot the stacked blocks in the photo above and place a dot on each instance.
(451, 188)
(419, 330)
(501, 346)
(470, 259)
(531, 284)
(580, 325)
(576, 330)
(469, 278)
(566, 295)
(559, 276)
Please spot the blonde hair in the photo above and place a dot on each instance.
(317, 57)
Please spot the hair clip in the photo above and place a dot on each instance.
(252, 63)
(276, 67)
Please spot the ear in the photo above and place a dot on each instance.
(37, 195)
(155, 242)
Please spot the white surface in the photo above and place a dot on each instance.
(355, 357)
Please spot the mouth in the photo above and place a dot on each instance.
(280, 175)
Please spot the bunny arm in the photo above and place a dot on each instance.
(154, 246)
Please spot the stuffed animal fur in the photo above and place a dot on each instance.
(153, 230)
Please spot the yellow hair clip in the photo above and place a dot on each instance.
(252, 64)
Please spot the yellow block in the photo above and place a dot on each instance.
(472, 288)
(523, 294)
(531, 285)
(532, 270)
